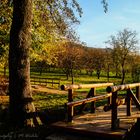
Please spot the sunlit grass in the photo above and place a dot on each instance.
(48, 101)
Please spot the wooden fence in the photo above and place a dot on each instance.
(114, 90)
(113, 99)
(45, 81)
(90, 98)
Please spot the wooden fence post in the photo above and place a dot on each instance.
(70, 95)
(70, 108)
(70, 113)
(128, 100)
(114, 120)
(93, 105)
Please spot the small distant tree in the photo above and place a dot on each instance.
(87, 60)
(98, 61)
(124, 44)
(116, 59)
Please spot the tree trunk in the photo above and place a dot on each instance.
(123, 76)
(91, 72)
(123, 71)
(117, 70)
(21, 106)
(108, 70)
(98, 74)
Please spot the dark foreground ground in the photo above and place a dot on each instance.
(47, 133)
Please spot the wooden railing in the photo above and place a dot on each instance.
(129, 97)
(90, 98)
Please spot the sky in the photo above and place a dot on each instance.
(96, 27)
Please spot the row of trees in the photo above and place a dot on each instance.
(120, 57)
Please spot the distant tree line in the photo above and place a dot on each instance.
(120, 57)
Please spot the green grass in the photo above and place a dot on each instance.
(82, 78)
(45, 101)
(79, 79)
(54, 104)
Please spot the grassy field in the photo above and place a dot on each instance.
(51, 101)
(82, 78)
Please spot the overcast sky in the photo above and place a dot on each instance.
(97, 26)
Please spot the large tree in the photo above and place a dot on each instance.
(21, 105)
(21, 108)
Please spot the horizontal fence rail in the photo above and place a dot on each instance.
(97, 98)
(121, 87)
(80, 86)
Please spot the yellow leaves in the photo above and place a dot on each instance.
(48, 51)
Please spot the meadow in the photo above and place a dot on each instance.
(50, 101)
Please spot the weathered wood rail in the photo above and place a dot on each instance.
(118, 119)
(129, 97)
(46, 81)
(90, 98)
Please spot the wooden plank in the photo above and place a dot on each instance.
(99, 124)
